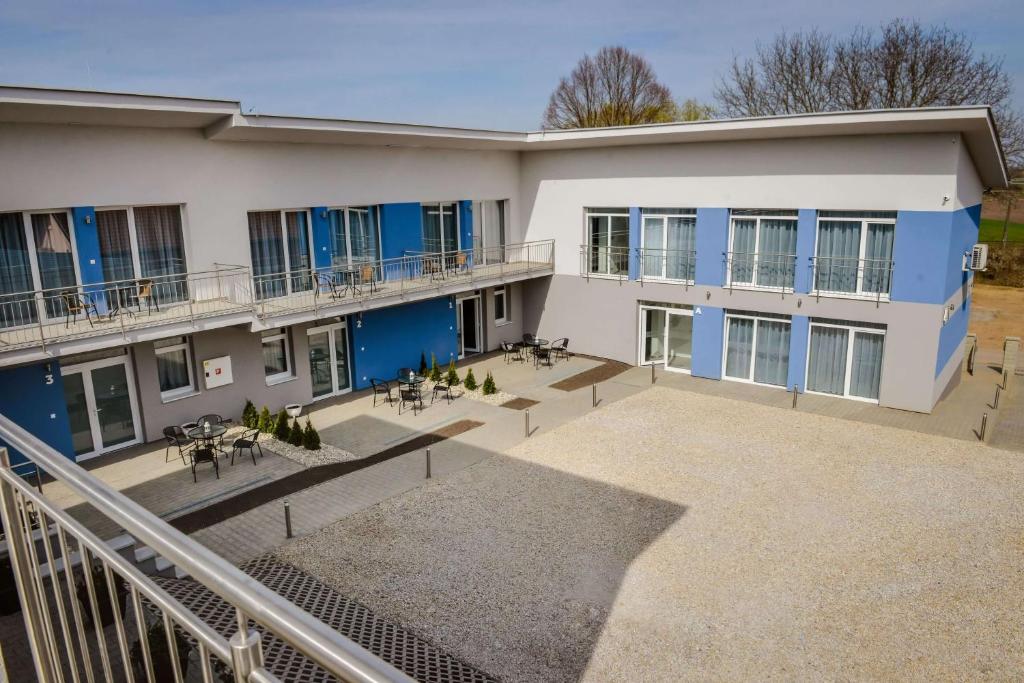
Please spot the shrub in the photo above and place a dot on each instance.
(310, 437)
(435, 372)
(453, 376)
(423, 364)
(250, 418)
(296, 433)
(470, 381)
(489, 386)
(281, 429)
(265, 423)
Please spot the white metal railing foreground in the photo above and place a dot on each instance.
(59, 601)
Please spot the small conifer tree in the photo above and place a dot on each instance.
(435, 372)
(470, 381)
(310, 437)
(281, 429)
(295, 436)
(265, 422)
(489, 386)
(453, 376)
(423, 364)
(250, 417)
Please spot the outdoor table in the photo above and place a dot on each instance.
(536, 343)
(123, 300)
(412, 381)
(207, 437)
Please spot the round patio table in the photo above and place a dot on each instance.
(536, 343)
(207, 437)
(414, 380)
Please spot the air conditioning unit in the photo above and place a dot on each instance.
(976, 258)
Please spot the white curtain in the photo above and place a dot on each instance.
(680, 243)
(866, 373)
(739, 348)
(771, 357)
(15, 273)
(55, 259)
(493, 216)
(776, 249)
(744, 239)
(299, 265)
(162, 250)
(878, 258)
(172, 369)
(826, 369)
(267, 251)
(838, 254)
(654, 235)
(115, 245)
(365, 241)
(339, 245)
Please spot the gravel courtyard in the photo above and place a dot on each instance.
(675, 536)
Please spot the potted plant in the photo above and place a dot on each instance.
(99, 582)
(160, 654)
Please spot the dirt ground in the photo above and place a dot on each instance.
(991, 208)
(996, 312)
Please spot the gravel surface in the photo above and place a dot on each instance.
(327, 454)
(495, 399)
(679, 536)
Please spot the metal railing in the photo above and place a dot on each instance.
(775, 272)
(602, 261)
(677, 265)
(72, 578)
(41, 316)
(323, 288)
(851, 277)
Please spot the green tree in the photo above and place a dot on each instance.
(470, 381)
(310, 438)
(281, 429)
(692, 110)
(250, 418)
(295, 434)
(453, 375)
(265, 422)
(435, 372)
(489, 386)
(423, 364)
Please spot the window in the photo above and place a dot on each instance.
(441, 227)
(502, 312)
(757, 348)
(853, 254)
(174, 367)
(17, 304)
(667, 243)
(355, 236)
(607, 241)
(161, 244)
(279, 246)
(488, 231)
(845, 359)
(277, 363)
(762, 248)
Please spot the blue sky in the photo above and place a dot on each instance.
(480, 64)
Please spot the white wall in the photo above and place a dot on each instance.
(48, 167)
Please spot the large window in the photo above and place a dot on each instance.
(279, 246)
(355, 236)
(143, 242)
(174, 367)
(845, 359)
(17, 307)
(55, 258)
(502, 314)
(607, 248)
(762, 248)
(488, 231)
(668, 243)
(853, 255)
(666, 336)
(441, 227)
(277, 363)
(757, 348)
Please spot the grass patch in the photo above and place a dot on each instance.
(992, 231)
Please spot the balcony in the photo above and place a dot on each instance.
(43, 317)
(669, 265)
(768, 272)
(852, 278)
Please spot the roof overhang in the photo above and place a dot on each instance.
(223, 120)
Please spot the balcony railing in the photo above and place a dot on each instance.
(677, 265)
(37, 317)
(851, 277)
(322, 288)
(602, 261)
(56, 611)
(774, 272)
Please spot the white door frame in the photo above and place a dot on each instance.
(85, 369)
(329, 331)
(642, 322)
(460, 324)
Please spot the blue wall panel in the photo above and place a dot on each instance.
(964, 235)
(951, 334)
(87, 243)
(322, 256)
(401, 229)
(634, 243)
(799, 330)
(928, 253)
(466, 224)
(27, 399)
(390, 338)
(806, 233)
(712, 243)
(708, 330)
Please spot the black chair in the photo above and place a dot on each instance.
(529, 343)
(75, 303)
(176, 437)
(201, 455)
(410, 394)
(381, 387)
(247, 442)
(560, 348)
(212, 418)
(441, 387)
(541, 354)
(327, 281)
(513, 351)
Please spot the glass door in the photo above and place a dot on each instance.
(468, 332)
(666, 338)
(679, 341)
(102, 406)
(328, 360)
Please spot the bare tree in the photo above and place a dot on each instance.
(905, 65)
(613, 88)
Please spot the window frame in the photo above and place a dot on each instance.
(757, 215)
(669, 310)
(664, 214)
(440, 211)
(375, 208)
(864, 221)
(281, 334)
(180, 392)
(749, 379)
(600, 212)
(852, 329)
(287, 275)
(133, 237)
(505, 318)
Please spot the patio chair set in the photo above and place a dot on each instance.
(337, 284)
(440, 266)
(202, 442)
(541, 351)
(409, 386)
(119, 299)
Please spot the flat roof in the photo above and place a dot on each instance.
(224, 120)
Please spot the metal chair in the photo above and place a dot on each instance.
(176, 437)
(541, 354)
(146, 292)
(560, 348)
(367, 278)
(326, 280)
(247, 442)
(213, 419)
(201, 455)
(75, 303)
(513, 351)
(442, 387)
(410, 394)
(381, 387)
